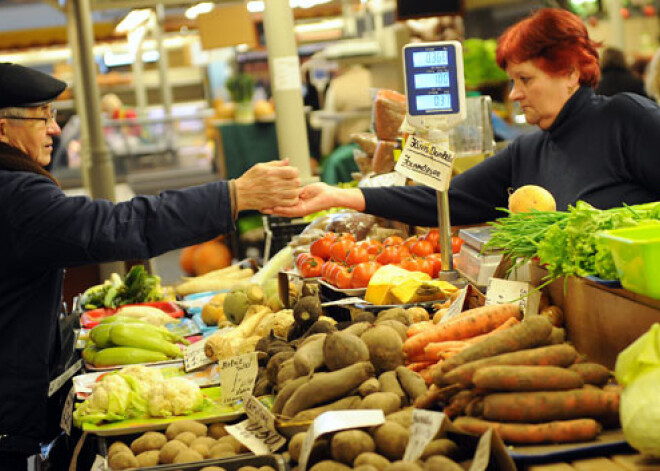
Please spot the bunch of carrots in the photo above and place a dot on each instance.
(491, 370)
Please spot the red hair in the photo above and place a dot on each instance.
(555, 40)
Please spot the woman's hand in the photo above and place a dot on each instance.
(266, 185)
(320, 196)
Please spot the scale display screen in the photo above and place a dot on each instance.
(432, 82)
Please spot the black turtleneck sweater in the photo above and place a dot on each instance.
(603, 150)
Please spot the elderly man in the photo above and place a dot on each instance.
(44, 231)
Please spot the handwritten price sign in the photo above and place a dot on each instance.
(237, 376)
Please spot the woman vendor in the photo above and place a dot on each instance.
(602, 150)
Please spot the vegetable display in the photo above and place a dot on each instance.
(138, 286)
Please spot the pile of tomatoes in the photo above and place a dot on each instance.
(345, 263)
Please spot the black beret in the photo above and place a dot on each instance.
(24, 87)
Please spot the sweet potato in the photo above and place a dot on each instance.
(370, 386)
(273, 366)
(309, 356)
(384, 346)
(358, 328)
(348, 444)
(546, 406)
(390, 383)
(592, 373)
(526, 378)
(402, 417)
(341, 350)
(412, 383)
(525, 335)
(386, 401)
(324, 387)
(285, 393)
(550, 432)
(440, 446)
(345, 403)
(556, 355)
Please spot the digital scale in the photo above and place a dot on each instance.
(435, 103)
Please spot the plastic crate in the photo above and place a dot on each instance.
(279, 232)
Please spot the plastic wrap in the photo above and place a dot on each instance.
(383, 161)
(363, 161)
(366, 140)
(389, 111)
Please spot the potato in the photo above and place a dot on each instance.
(371, 459)
(248, 468)
(212, 468)
(402, 417)
(217, 430)
(208, 441)
(365, 467)
(345, 403)
(348, 444)
(441, 462)
(118, 446)
(411, 382)
(147, 442)
(385, 348)
(122, 460)
(403, 466)
(341, 349)
(397, 314)
(186, 437)
(418, 314)
(187, 456)
(388, 402)
(148, 458)
(389, 382)
(391, 440)
(175, 428)
(399, 327)
(441, 446)
(170, 450)
(201, 448)
(238, 446)
(295, 445)
(266, 468)
(369, 386)
(328, 465)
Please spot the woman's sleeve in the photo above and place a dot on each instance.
(643, 148)
(473, 196)
(53, 229)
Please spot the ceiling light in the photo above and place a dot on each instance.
(196, 10)
(134, 19)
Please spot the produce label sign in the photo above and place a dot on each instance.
(424, 427)
(429, 163)
(515, 292)
(258, 432)
(237, 376)
(194, 356)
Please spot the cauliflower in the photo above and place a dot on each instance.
(175, 396)
(112, 399)
(147, 377)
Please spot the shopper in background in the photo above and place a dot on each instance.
(615, 76)
(652, 79)
(44, 231)
(603, 150)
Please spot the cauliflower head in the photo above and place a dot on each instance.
(146, 377)
(174, 396)
(112, 399)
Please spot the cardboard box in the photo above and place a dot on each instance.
(600, 321)
(227, 25)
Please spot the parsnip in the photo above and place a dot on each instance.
(209, 284)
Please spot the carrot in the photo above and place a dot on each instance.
(474, 322)
(426, 374)
(458, 403)
(508, 323)
(526, 378)
(434, 395)
(527, 334)
(436, 348)
(423, 357)
(544, 406)
(420, 365)
(556, 355)
(561, 431)
(592, 373)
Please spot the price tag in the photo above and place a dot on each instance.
(66, 418)
(334, 421)
(194, 356)
(258, 432)
(429, 163)
(482, 453)
(424, 427)
(99, 464)
(237, 377)
(456, 307)
(505, 292)
(58, 382)
(286, 73)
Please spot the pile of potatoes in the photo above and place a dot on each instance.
(185, 441)
(376, 449)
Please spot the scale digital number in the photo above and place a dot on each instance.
(435, 85)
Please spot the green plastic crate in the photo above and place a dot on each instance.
(636, 253)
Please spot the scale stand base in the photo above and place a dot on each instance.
(449, 275)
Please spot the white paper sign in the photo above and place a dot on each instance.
(99, 464)
(482, 453)
(67, 412)
(425, 162)
(424, 427)
(58, 382)
(505, 292)
(237, 377)
(258, 432)
(456, 307)
(334, 421)
(286, 74)
(383, 179)
(194, 356)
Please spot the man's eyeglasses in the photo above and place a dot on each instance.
(52, 116)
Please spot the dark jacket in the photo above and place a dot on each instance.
(615, 80)
(603, 150)
(43, 232)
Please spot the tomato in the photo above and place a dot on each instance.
(410, 241)
(456, 243)
(433, 236)
(374, 246)
(328, 271)
(390, 254)
(300, 259)
(362, 273)
(436, 261)
(311, 267)
(425, 266)
(345, 235)
(357, 254)
(393, 240)
(409, 263)
(321, 247)
(422, 248)
(339, 249)
(343, 279)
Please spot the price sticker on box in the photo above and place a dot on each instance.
(514, 292)
(429, 163)
(258, 432)
(194, 356)
(424, 427)
(237, 376)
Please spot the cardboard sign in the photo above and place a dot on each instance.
(456, 307)
(505, 292)
(258, 432)
(238, 375)
(194, 356)
(425, 162)
(424, 427)
(334, 421)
